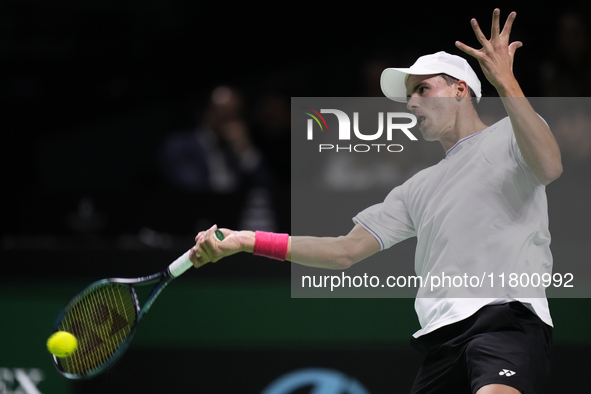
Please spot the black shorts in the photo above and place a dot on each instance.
(500, 344)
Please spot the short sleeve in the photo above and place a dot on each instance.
(389, 222)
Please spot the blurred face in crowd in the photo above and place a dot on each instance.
(225, 106)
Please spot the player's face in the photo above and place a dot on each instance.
(435, 117)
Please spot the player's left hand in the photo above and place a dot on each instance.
(496, 55)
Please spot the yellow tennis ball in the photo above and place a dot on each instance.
(62, 344)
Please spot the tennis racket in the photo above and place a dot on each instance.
(105, 316)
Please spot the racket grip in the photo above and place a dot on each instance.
(180, 265)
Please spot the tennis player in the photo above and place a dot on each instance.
(482, 207)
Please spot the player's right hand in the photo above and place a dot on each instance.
(208, 249)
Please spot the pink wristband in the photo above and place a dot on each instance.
(270, 245)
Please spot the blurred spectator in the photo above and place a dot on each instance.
(218, 155)
(567, 72)
(272, 118)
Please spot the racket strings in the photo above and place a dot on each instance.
(101, 320)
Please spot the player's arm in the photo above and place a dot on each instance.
(321, 252)
(534, 138)
(333, 252)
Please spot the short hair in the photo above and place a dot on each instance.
(451, 80)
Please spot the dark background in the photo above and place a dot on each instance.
(90, 91)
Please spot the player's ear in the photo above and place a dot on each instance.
(462, 90)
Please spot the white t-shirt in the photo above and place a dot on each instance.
(480, 211)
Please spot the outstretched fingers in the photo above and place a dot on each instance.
(468, 49)
(507, 32)
(514, 46)
(495, 28)
(508, 25)
(486, 45)
(497, 37)
(479, 34)
(496, 55)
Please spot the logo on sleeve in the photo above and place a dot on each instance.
(507, 372)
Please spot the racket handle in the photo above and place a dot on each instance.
(182, 264)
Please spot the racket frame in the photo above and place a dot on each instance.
(162, 279)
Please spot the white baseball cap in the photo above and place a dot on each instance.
(393, 79)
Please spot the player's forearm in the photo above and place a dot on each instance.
(534, 138)
(325, 252)
(321, 252)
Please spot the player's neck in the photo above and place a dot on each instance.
(465, 126)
